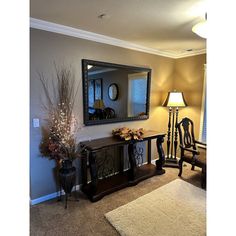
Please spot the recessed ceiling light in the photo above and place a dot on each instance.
(189, 50)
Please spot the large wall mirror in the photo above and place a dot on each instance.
(114, 93)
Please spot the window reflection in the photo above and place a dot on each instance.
(137, 95)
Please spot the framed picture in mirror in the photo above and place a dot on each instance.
(95, 91)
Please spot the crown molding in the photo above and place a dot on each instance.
(78, 33)
(190, 54)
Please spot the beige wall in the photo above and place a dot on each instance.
(46, 48)
(188, 78)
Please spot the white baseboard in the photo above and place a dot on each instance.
(51, 196)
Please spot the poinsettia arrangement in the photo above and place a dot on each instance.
(128, 134)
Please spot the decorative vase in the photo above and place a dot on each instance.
(67, 177)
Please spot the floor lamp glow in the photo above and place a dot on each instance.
(174, 100)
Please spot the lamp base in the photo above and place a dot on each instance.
(171, 162)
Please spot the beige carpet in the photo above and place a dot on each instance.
(85, 218)
(177, 208)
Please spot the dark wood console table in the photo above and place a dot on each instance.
(97, 188)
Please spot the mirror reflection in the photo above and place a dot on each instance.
(114, 93)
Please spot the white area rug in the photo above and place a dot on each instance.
(177, 208)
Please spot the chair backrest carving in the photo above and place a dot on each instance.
(186, 133)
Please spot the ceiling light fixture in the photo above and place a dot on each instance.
(201, 28)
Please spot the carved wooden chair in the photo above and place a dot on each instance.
(192, 151)
(109, 113)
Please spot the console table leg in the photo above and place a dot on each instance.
(160, 162)
(121, 156)
(132, 160)
(93, 171)
(84, 168)
(149, 151)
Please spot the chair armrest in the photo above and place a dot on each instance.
(190, 150)
(201, 143)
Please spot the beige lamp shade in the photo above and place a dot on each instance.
(175, 99)
(99, 104)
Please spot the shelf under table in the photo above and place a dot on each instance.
(119, 181)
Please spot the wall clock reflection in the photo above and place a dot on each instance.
(113, 91)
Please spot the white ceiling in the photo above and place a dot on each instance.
(159, 25)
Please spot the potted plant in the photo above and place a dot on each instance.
(59, 132)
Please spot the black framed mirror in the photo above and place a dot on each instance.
(114, 92)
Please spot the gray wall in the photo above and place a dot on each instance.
(47, 48)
